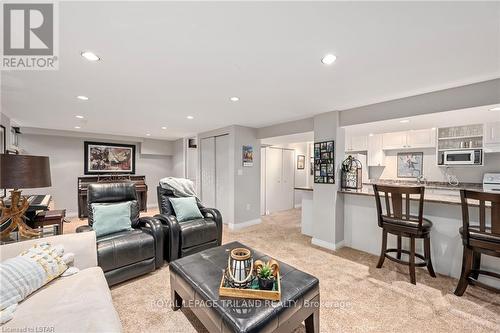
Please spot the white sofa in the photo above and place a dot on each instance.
(77, 303)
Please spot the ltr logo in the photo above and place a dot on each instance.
(28, 29)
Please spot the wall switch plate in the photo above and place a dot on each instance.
(240, 172)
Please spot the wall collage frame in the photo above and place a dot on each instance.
(324, 162)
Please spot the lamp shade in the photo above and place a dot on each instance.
(24, 171)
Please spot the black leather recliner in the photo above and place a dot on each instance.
(125, 254)
(188, 237)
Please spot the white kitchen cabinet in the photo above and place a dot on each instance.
(492, 137)
(376, 155)
(356, 143)
(394, 140)
(425, 138)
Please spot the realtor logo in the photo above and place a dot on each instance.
(29, 36)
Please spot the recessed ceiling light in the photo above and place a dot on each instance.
(329, 59)
(404, 121)
(90, 56)
(234, 99)
(190, 117)
(433, 128)
(83, 98)
(495, 109)
(147, 134)
(164, 127)
(77, 127)
(79, 117)
(371, 134)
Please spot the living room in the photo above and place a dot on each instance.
(232, 166)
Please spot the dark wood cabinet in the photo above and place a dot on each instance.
(83, 183)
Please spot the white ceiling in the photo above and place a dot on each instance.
(469, 116)
(163, 61)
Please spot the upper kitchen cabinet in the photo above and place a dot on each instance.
(356, 143)
(492, 137)
(376, 155)
(425, 138)
(394, 140)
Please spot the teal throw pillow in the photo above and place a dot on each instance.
(110, 218)
(186, 208)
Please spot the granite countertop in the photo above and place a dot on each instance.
(433, 193)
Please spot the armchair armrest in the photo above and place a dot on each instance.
(84, 228)
(153, 227)
(217, 217)
(173, 234)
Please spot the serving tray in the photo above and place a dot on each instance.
(252, 291)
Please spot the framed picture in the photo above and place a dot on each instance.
(410, 165)
(247, 156)
(301, 162)
(106, 158)
(324, 162)
(312, 166)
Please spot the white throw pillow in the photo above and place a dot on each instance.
(32, 269)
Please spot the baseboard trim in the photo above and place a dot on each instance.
(327, 245)
(243, 225)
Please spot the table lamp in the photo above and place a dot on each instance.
(20, 171)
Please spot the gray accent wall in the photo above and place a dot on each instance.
(66, 164)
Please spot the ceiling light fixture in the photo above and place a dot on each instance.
(404, 121)
(83, 98)
(190, 117)
(371, 134)
(234, 99)
(90, 56)
(77, 127)
(495, 109)
(328, 59)
(147, 134)
(164, 127)
(79, 117)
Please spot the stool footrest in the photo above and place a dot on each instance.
(407, 263)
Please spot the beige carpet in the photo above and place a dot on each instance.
(355, 296)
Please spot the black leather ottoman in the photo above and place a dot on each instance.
(195, 280)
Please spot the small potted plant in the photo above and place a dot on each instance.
(266, 277)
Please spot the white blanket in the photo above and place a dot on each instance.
(181, 187)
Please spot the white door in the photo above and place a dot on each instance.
(207, 147)
(288, 177)
(274, 166)
(222, 178)
(262, 181)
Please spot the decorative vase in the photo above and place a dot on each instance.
(239, 272)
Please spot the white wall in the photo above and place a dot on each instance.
(468, 174)
(178, 159)
(66, 164)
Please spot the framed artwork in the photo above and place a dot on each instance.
(106, 158)
(312, 166)
(3, 147)
(301, 162)
(324, 162)
(410, 165)
(247, 156)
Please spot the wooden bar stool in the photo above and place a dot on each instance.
(478, 239)
(394, 220)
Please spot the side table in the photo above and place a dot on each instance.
(51, 217)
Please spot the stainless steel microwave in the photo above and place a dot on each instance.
(463, 157)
